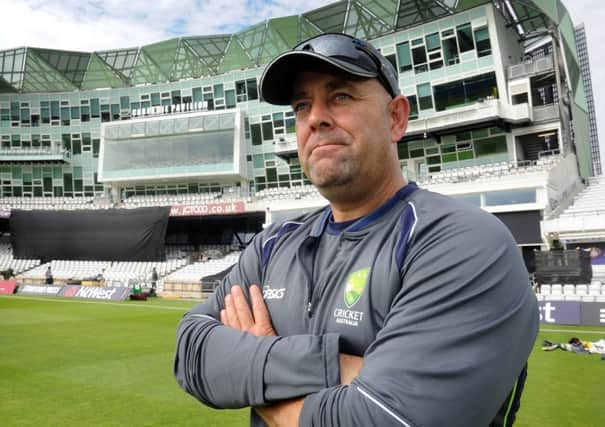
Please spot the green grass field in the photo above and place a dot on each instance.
(67, 362)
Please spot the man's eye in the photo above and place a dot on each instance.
(342, 96)
(300, 106)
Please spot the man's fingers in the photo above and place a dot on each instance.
(232, 313)
(259, 309)
(223, 317)
(242, 308)
(264, 326)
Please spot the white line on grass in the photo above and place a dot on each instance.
(161, 307)
(573, 330)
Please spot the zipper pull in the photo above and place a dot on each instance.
(309, 309)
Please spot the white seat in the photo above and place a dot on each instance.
(582, 290)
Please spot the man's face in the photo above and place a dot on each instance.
(344, 131)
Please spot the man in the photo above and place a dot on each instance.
(48, 276)
(154, 282)
(381, 309)
(576, 345)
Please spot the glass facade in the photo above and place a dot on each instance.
(444, 61)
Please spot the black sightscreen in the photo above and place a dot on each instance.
(104, 235)
(524, 226)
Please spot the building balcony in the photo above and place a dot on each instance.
(531, 68)
(285, 146)
(486, 112)
(41, 154)
(546, 113)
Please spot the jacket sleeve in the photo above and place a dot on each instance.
(456, 337)
(226, 368)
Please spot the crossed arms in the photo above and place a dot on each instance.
(257, 321)
(437, 359)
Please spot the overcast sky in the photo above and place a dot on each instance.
(92, 25)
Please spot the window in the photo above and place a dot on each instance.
(44, 111)
(230, 98)
(65, 116)
(76, 146)
(466, 91)
(94, 108)
(419, 56)
(490, 146)
(392, 59)
(290, 122)
(54, 110)
(176, 97)
(404, 57)
(115, 111)
(240, 91)
(252, 89)
(255, 132)
(494, 198)
(219, 91)
(267, 131)
(425, 99)
(473, 199)
(465, 37)
(484, 47)
(197, 94)
(432, 42)
(417, 152)
(413, 107)
(124, 102)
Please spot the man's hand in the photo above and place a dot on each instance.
(282, 414)
(237, 312)
(349, 367)
(287, 413)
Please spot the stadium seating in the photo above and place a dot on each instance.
(63, 270)
(594, 291)
(491, 170)
(591, 201)
(169, 200)
(284, 193)
(7, 262)
(192, 273)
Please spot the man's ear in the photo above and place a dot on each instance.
(400, 111)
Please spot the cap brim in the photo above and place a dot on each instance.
(278, 78)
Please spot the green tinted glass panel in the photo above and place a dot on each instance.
(432, 42)
(465, 155)
(404, 57)
(446, 158)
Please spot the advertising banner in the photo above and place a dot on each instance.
(593, 313)
(7, 287)
(208, 209)
(560, 312)
(39, 290)
(95, 292)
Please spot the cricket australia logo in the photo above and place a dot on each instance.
(356, 283)
(354, 287)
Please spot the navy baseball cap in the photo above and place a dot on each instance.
(340, 51)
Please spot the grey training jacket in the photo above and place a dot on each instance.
(431, 291)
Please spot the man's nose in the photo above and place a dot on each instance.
(320, 115)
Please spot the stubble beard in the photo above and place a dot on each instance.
(331, 180)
